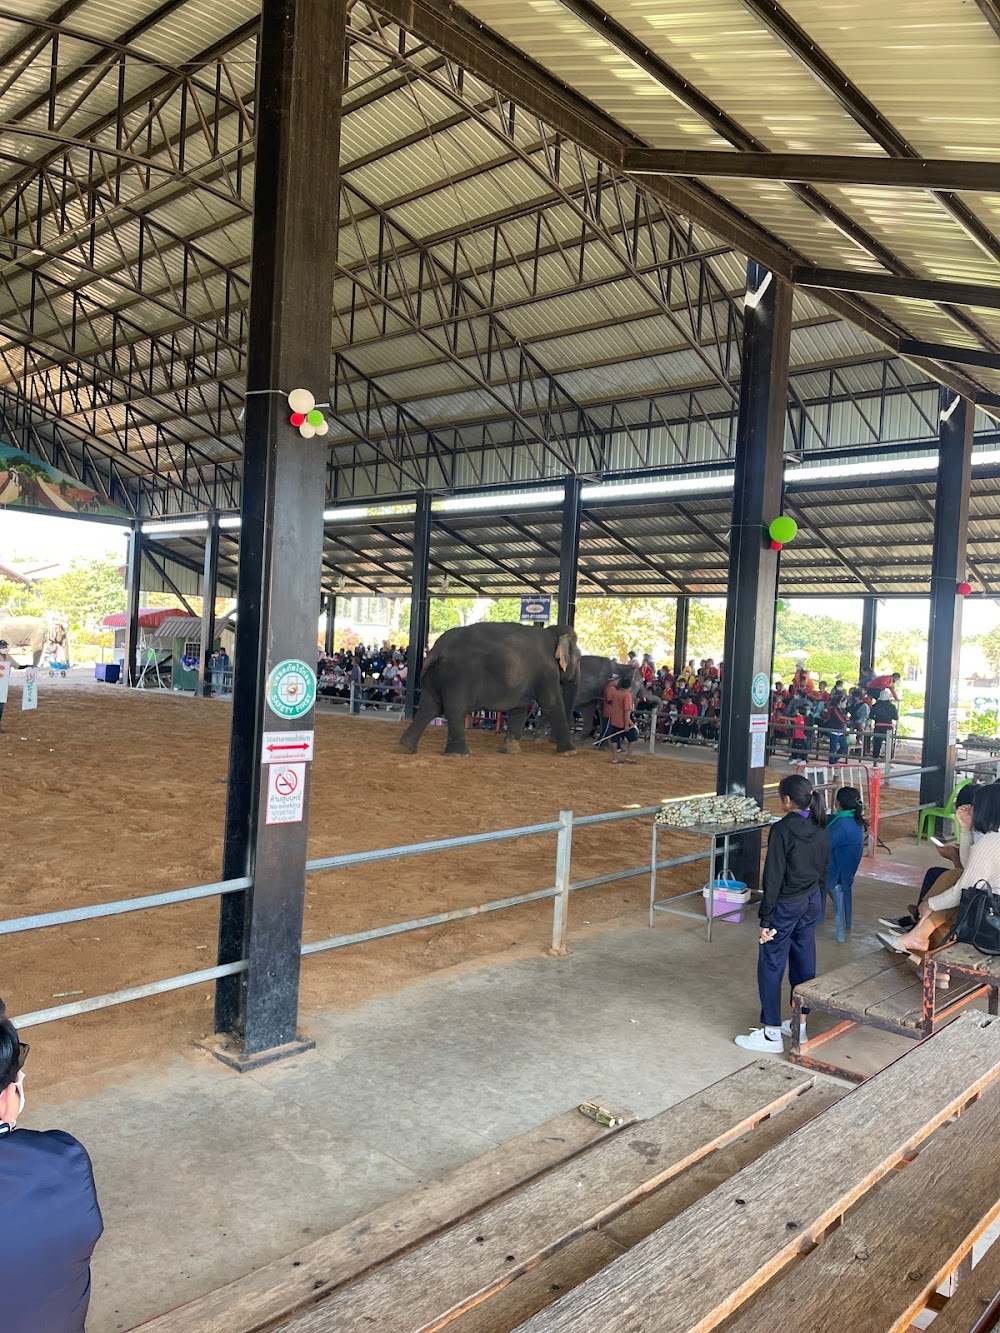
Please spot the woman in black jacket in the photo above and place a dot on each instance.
(795, 872)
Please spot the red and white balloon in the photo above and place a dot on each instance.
(305, 415)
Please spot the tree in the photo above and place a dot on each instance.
(990, 644)
(82, 596)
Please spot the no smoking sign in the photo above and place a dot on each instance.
(286, 786)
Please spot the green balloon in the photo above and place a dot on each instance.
(315, 417)
(779, 605)
(783, 529)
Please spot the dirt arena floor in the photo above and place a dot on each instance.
(111, 794)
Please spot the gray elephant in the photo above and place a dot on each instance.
(501, 667)
(31, 634)
(595, 672)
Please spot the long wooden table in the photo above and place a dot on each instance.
(767, 1201)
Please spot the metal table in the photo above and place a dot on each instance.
(716, 833)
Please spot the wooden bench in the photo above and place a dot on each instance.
(880, 990)
(766, 1201)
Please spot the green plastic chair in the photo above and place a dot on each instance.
(926, 822)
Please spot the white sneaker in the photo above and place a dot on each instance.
(758, 1040)
(786, 1029)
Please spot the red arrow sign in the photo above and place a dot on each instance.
(272, 748)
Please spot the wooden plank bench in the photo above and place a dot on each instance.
(766, 1201)
(884, 991)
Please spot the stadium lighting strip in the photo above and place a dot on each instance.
(798, 478)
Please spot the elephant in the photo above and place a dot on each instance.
(503, 667)
(595, 672)
(31, 634)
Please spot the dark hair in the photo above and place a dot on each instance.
(803, 796)
(849, 799)
(986, 809)
(625, 680)
(966, 794)
(10, 1050)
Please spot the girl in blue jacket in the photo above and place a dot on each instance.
(847, 846)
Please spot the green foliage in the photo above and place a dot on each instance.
(830, 648)
(903, 649)
(983, 722)
(80, 597)
(17, 599)
(990, 644)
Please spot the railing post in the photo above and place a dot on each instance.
(560, 903)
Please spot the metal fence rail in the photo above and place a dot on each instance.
(558, 893)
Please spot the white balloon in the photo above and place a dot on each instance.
(301, 400)
(307, 431)
(323, 427)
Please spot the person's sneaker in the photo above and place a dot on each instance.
(891, 942)
(899, 924)
(786, 1029)
(758, 1040)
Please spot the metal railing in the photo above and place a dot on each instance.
(558, 892)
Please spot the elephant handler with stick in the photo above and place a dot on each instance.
(622, 734)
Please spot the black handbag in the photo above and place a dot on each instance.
(978, 920)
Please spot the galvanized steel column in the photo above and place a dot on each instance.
(301, 55)
(133, 580)
(951, 530)
(209, 587)
(869, 633)
(419, 603)
(569, 549)
(331, 621)
(753, 567)
(681, 633)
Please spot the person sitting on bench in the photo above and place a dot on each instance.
(938, 877)
(937, 911)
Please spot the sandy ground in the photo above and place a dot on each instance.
(111, 794)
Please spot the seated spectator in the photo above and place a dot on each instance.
(937, 911)
(50, 1220)
(956, 854)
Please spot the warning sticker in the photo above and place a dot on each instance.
(280, 746)
(291, 689)
(286, 789)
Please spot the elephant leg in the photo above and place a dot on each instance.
(456, 715)
(516, 718)
(550, 698)
(426, 713)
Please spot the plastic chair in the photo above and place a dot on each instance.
(925, 823)
(842, 900)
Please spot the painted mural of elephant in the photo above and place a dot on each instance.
(501, 667)
(30, 634)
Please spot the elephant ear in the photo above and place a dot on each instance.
(565, 655)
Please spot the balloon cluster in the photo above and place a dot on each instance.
(781, 531)
(306, 415)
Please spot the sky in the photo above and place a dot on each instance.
(39, 537)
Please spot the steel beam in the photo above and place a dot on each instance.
(300, 79)
(133, 582)
(209, 587)
(815, 168)
(753, 567)
(963, 356)
(869, 632)
(569, 550)
(419, 603)
(948, 564)
(888, 284)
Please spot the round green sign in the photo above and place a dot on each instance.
(291, 688)
(759, 690)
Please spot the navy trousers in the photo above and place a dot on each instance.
(794, 946)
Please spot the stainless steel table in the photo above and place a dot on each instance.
(716, 833)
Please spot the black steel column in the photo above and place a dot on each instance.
(133, 580)
(951, 530)
(869, 633)
(301, 54)
(569, 550)
(209, 586)
(681, 633)
(419, 603)
(331, 620)
(753, 567)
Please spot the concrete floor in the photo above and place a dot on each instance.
(204, 1174)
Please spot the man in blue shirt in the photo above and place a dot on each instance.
(50, 1221)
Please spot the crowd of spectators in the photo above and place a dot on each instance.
(377, 674)
(805, 709)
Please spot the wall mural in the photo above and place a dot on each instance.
(27, 482)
